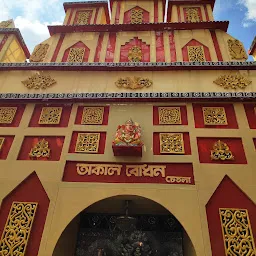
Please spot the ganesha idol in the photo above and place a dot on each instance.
(128, 136)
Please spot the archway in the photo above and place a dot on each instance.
(102, 230)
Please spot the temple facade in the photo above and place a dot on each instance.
(130, 131)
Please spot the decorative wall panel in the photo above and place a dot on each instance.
(236, 50)
(196, 53)
(17, 229)
(169, 115)
(214, 116)
(236, 81)
(237, 232)
(87, 143)
(221, 151)
(76, 55)
(39, 53)
(171, 143)
(50, 115)
(133, 83)
(83, 18)
(39, 81)
(136, 16)
(192, 14)
(7, 114)
(92, 115)
(135, 54)
(41, 149)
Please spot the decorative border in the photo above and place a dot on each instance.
(130, 95)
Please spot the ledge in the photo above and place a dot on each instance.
(130, 66)
(222, 25)
(84, 4)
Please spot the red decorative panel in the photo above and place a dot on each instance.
(77, 45)
(17, 117)
(57, 49)
(183, 114)
(171, 173)
(101, 147)
(98, 48)
(64, 118)
(55, 145)
(160, 54)
(206, 13)
(227, 195)
(77, 13)
(172, 46)
(216, 45)
(5, 148)
(118, 7)
(194, 42)
(205, 145)
(230, 114)
(80, 114)
(156, 143)
(135, 42)
(127, 15)
(111, 47)
(30, 190)
(199, 12)
(155, 11)
(250, 110)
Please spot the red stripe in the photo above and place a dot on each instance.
(98, 49)
(57, 49)
(70, 16)
(2, 43)
(111, 47)
(155, 10)
(96, 15)
(160, 56)
(179, 17)
(216, 46)
(172, 47)
(118, 7)
(206, 13)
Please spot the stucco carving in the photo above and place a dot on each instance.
(5, 24)
(196, 53)
(39, 81)
(39, 53)
(192, 15)
(41, 149)
(76, 55)
(171, 143)
(83, 18)
(221, 151)
(92, 115)
(50, 115)
(133, 83)
(87, 143)
(7, 114)
(214, 116)
(169, 115)
(135, 54)
(136, 16)
(236, 49)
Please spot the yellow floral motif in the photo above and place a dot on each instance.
(136, 16)
(41, 149)
(87, 143)
(39, 53)
(169, 115)
(236, 81)
(192, 15)
(221, 151)
(171, 143)
(236, 50)
(7, 114)
(50, 115)
(196, 53)
(92, 115)
(215, 116)
(76, 55)
(133, 83)
(39, 82)
(83, 18)
(135, 54)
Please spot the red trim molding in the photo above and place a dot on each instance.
(216, 45)
(57, 49)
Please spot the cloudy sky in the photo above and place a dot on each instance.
(33, 16)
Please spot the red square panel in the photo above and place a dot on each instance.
(183, 113)
(250, 110)
(102, 142)
(18, 115)
(156, 144)
(55, 145)
(64, 119)
(205, 145)
(230, 114)
(6, 146)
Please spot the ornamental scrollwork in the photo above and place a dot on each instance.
(236, 49)
(171, 143)
(221, 151)
(39, 81)
(76, 55)
(50, 115)
(196, 53)
(87, 143)
(236, 81)
(7, 114)
(92, 115)
(133, 83)
(192, 14)
(215, 116)
(135, 54)
(83, 18)
(17, 228)
(136, 16)
(169, 115)
(41, 149)
(39, 53)
(5, 24)
(237, 232)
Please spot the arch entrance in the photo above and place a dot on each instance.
(124, 226)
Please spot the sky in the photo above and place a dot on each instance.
(33, 16)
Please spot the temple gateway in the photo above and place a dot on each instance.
(130, 131)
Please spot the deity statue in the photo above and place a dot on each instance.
(128, 134)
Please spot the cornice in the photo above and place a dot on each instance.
(17, 33)
(129, 66)
(253, 46)
(191, 2)
(212, 25)
(67, 5)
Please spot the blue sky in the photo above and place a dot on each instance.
(33, 16)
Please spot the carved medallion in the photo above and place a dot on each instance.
(236, 49)
(50, 115)
(92, 115)
(39, 81)
(136, 16)
(169, 115)
(17, 228)
(7, 114)
(39, 53)
(192, 14)
(2, 139)
(41, 149)
(196, 53)
(135, 54)
(214, 116)
(237, 232)
(232, 81)
(221, 151)
(171, 143)
(87, 143)
(76, 55)
(83, 18)
(5, 24)
(133, 83)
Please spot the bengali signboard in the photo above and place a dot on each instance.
(164, 173)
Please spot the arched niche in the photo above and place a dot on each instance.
(127, 15)
(79, 45)
(95, 230)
